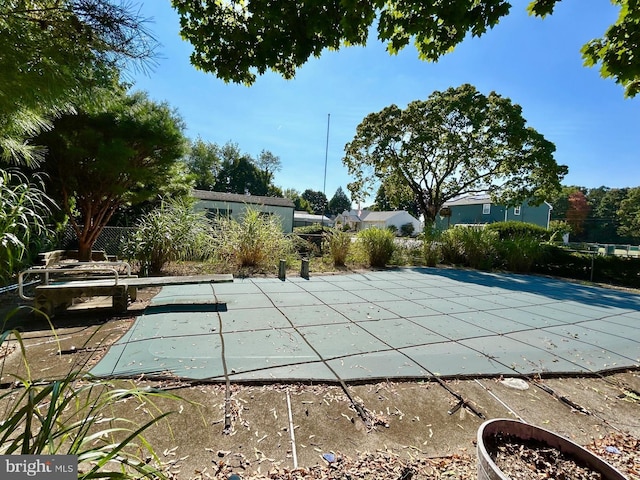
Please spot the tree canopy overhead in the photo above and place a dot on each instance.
(456, 142)
(53, 51)
(237, 40)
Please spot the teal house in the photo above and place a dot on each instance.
(478, 210)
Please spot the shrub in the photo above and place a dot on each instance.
(407, 229)
(431, 252)
(306, 245)
(469, 246)
(255, 241)
(562, 262)
(316, 229)
(377, 245)
(520, 254)
(558, 228)
(407, 252)
(338, 244)
(174, 231)
(513, 229)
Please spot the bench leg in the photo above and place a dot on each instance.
(44, 305)
(120, 300)
(52, 302)
(133, 293)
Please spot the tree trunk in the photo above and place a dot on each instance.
(84, 248)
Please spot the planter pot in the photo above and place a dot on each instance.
(488, 470)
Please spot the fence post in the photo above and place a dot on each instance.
(282, 270)
(304, 268)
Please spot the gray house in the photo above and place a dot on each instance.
(359, 220)
(304, 219)
(478, 210)
(234, 205)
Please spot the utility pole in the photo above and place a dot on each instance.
(326, 156)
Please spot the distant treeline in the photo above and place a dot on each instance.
(603, 214)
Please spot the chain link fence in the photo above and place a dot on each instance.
(111, 239)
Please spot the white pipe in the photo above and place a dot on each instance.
(292, 434)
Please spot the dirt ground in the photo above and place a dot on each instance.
(399, 430)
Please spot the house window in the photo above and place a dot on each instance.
(486, 208)
(215, 213)
(516, 211)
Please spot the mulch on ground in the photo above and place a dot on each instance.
(620, 450)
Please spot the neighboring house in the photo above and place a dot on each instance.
(233, 205)
(368, 219)
(478, 210)
(303, 219)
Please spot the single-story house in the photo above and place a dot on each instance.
(478, 209)
(234, 205)
(360, 220)
(303, 219)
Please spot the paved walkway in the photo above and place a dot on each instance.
(405, 323)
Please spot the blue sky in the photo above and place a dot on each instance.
(534, 62)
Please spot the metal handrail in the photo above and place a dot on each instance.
(47, 271)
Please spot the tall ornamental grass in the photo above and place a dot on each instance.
(431, 252)
(74, 415)
(256, 241)
(24, 209)
(469, 246)
(338, 244)
(520, 254)
(173, 231)
(377, 245)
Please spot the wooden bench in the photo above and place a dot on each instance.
(55, 296)
(61, 267)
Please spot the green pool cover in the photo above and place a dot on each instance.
(405, 323)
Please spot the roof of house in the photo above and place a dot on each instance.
(369, 216)
(237, 198)
(476, 199)
(310, 217)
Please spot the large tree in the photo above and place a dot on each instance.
(239, 174)
(317, 201)
(339, 202)
(560, 201)
(55, 51)
(629, 214)
(577, 211)
(394, 196)
(237, 40)
(456, 142)
(268, 164)
(98, 161)
(203, 161)
(300, 203)
(605, 203)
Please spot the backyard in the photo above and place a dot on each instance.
(394, 428)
